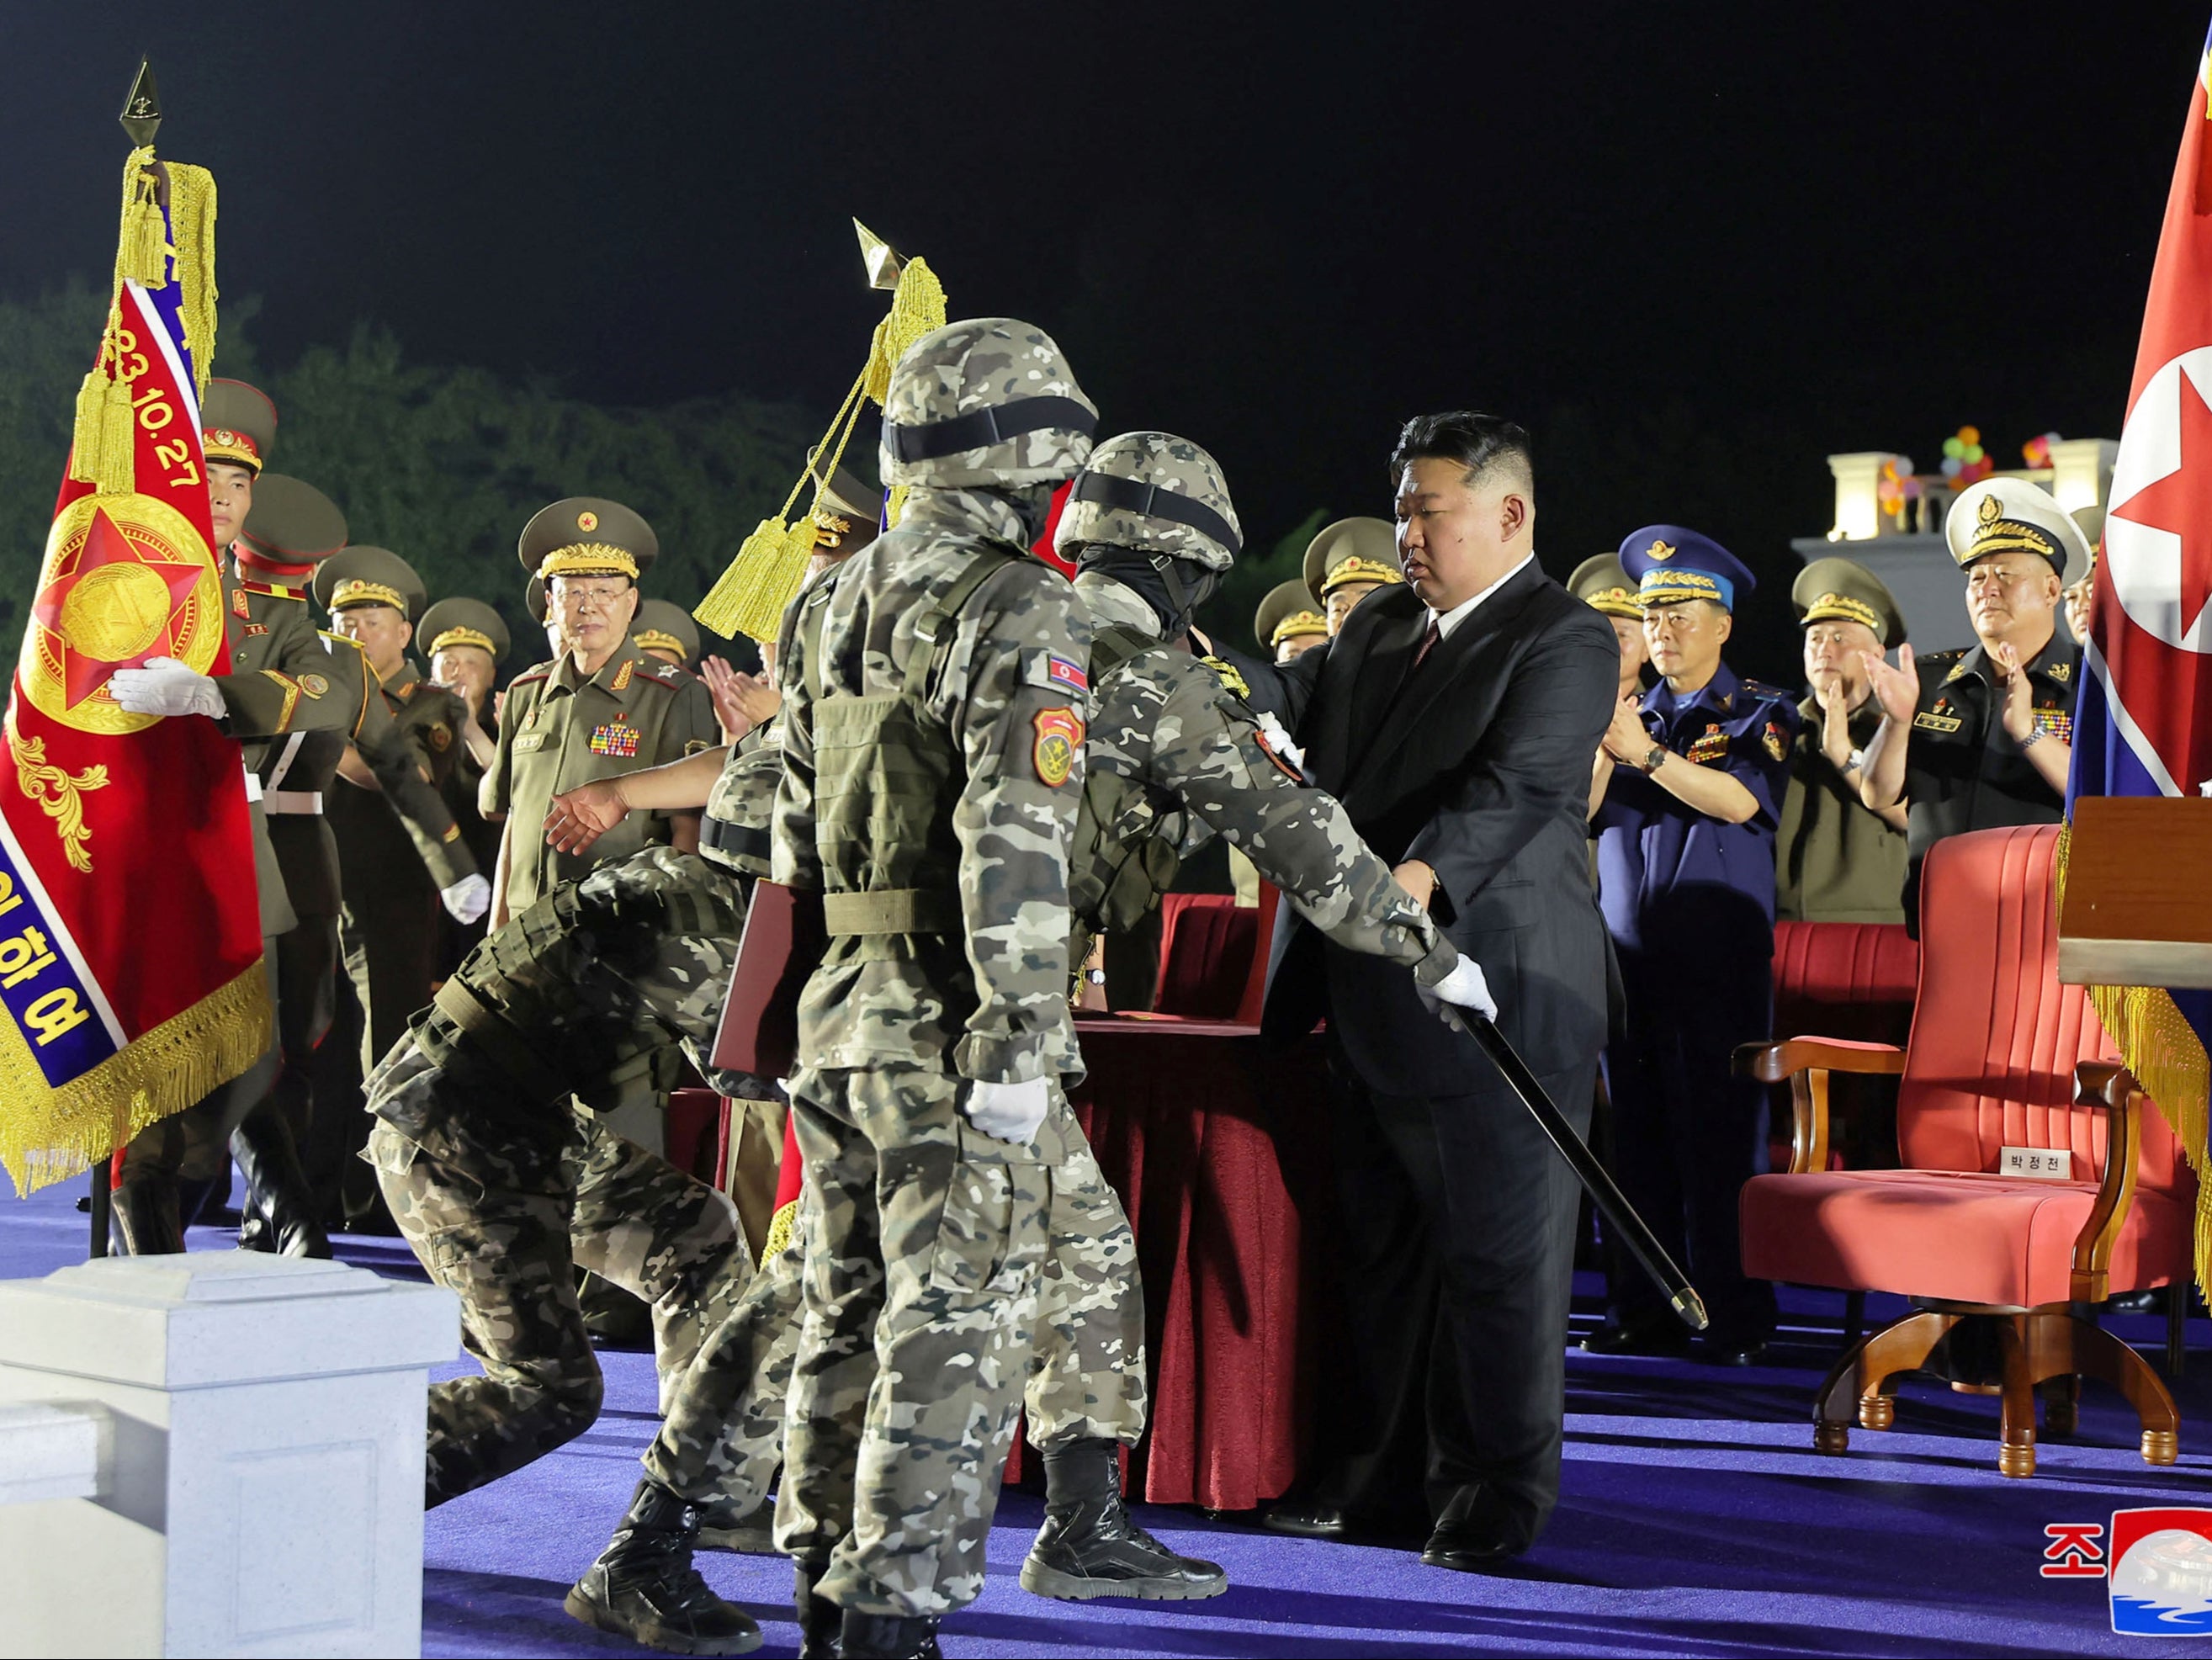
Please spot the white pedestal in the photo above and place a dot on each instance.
(261, 1473)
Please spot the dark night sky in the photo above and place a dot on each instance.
(1698, 253)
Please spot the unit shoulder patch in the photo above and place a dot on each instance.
(1058, 741)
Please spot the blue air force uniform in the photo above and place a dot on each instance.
(1689, 901)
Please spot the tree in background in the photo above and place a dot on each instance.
(442, 464)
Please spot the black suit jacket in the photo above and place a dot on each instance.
(1479, 765)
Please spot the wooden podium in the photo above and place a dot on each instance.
(2137, 908)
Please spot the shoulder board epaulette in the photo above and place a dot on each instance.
(528, 677)
(1229, 677)
(275, 590)
(1760, 688)
(1948, 654)
(667, 673)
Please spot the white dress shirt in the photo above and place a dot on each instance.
(1446, 620)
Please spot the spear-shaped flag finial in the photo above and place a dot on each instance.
(142, 110)
(882, 259)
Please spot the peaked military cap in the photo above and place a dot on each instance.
(664, 625)
(292, 523)
(851, 511)
(463, 622)
(1351, 550)
(369, 576)
(1287, 613)
(588, 535)
(238, 425)
(1835, 589)
(2091, 521)
(2010, 515)
(1669, 564)
(1599, 583)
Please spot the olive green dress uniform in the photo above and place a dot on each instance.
(1835, 860)
(665, 629)
(461, 621)
(561, 729)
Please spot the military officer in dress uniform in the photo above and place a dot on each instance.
(1599, 583)
(289, 688)
(465, 640)
(1348, 560)
(667, 631)
(1981, 738)
(1687, 798)
(1287, 624)
(390, 926)
(604, 707)
(1835, 860)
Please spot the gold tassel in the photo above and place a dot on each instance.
(917, 308)
(141, 249)
(104, 441)
(191, 224)
(749, 596)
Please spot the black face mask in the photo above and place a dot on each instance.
(1174, 588)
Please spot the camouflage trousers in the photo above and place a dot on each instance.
(511, 1255)
(723, 1436)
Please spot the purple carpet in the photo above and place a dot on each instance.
(1696, 1520)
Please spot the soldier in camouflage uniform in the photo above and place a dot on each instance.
(933, 752)
(1173, 757)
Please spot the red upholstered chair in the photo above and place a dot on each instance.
(1850, 980)
(2000, 1055)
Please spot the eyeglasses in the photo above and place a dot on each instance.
(575, 598)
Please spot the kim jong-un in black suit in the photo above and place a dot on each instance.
(1469, 758)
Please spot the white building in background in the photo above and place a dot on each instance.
(1907, 549)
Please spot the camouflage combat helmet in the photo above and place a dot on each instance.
(986, 402)
(1151, 492)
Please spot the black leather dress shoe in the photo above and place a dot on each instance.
(1307, 1519)
(1477, 1532)
(1735, 1351)
(1613, 1338)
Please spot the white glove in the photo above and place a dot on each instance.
(165, 686)
(1279, 740)
(1010, 1111)
(1464, 987)
(467, 899)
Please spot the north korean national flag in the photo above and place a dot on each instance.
(2144, 725)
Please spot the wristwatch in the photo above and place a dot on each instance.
(1653, 756)
(2035, 735)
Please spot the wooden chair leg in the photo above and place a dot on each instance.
(2177, 1321)
(2062, 1404)
(1859, 1384)
(2016, 1437)
(2057, 1344)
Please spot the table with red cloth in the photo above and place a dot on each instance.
(1217, 1144)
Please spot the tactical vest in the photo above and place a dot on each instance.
(883, 802)
(1124, 858)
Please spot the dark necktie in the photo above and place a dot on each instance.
(1429, 638)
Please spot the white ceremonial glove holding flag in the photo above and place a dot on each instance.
(467, 899)
(1010, 1111)
(166, 686)
(1464, 987)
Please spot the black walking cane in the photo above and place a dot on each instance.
(1611, 1203)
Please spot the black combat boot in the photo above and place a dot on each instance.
(749, 1533)
(142, 1218)
(820, 1621)
(888, 1637)
(643, 1586)
(278, 1214)
(1090, 1545)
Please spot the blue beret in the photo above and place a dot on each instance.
(1667, 563)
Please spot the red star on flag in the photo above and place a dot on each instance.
(105, 545)
(2175, 503)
